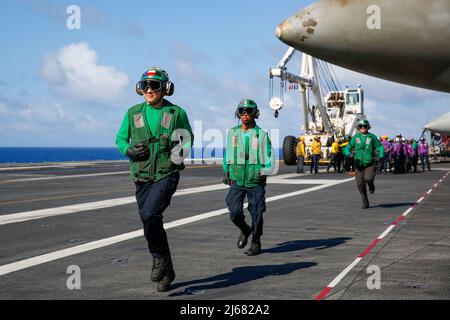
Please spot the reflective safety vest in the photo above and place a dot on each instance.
(247, 163)
(159, 165)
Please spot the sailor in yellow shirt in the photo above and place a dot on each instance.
(301, 154)
(335, 159)
(316, 150)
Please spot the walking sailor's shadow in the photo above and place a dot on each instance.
(238, 276)
(393, 205)
(319, 244)
(242, 275)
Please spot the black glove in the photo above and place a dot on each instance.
(139, 153)
(263, 181)
(226, 178)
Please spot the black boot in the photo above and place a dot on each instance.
(255, 248)
(164, 284)
(246, 231)
(365, 204)
(371, 186)
(243, 239)
(160, 268)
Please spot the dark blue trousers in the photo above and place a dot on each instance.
(256, 205)
(152, 200)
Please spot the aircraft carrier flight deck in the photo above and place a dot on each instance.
(318, 243)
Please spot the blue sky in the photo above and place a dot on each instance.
(61, 87)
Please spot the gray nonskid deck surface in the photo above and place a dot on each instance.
(308, 239)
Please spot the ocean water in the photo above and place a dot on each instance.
(42, 154)
(31, 155)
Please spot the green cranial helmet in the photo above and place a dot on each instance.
(364, 123)
(250, 105)
(155, 73)
(247, 103)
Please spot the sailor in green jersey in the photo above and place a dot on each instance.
(157, 137)
(415, 159)
(248, 160)
(365, 144)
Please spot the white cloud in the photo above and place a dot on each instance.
(49, 123)
(41, 117)
(74, 72)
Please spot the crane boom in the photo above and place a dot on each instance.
(307, 79)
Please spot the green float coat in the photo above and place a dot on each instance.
(154, 128)
(248, 156)
(365, 147)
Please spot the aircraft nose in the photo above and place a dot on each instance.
(286, 31)
(278, 32)
(295, 31)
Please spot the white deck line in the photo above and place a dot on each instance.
(27, 263)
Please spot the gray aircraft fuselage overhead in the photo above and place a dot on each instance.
(440, 125)
(406, 41)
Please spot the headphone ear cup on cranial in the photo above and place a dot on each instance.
(139, 91)
(236, 114)
(170, 88)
